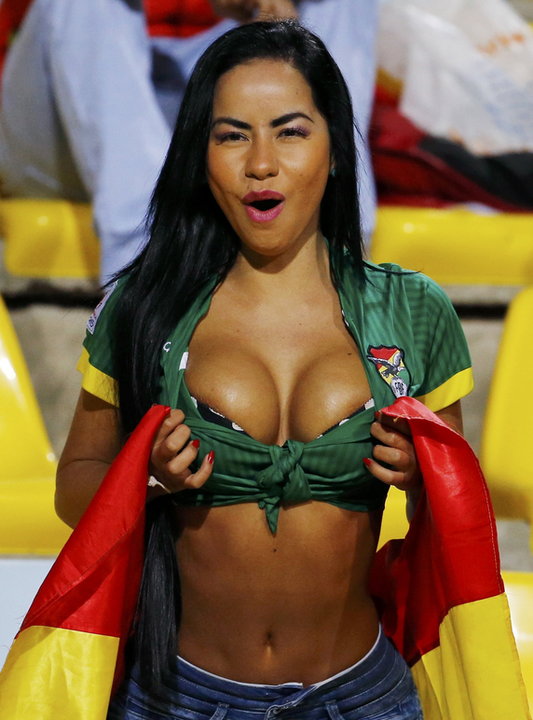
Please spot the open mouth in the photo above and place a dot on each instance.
(265, 205)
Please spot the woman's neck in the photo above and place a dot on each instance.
(298, 272)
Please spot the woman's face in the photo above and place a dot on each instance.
(268, 156)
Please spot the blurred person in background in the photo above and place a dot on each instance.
(91, 90)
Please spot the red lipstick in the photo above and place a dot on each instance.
(264, 205)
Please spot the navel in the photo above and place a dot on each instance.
(269, 639)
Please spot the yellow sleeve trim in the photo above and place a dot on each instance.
(450, 391)
(97, 382)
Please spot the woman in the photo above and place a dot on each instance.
(252, 314)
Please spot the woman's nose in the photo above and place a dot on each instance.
(262, 161)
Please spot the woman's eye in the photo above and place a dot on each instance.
(294, 132)
(230, 137)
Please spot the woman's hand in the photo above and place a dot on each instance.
(396, 450)
(172, 454)
(248, 10)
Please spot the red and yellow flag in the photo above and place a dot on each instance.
(439, 592)
(68, 652)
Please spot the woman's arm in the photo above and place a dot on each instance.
(95, 439)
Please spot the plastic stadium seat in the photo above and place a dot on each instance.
(55, 239)
(519, 588)
(457, 246)
(49, 239)
(507, 436)
(28, 523)
(394, 524)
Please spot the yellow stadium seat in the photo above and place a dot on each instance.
(55, 239)
(457, 246)
(49, 239)
(507, 435)
(28, 523)
(519, 589)
(394, 524)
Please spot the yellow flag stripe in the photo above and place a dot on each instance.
(474, 674)
(52, 673)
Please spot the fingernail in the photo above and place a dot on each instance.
(367, 461)
(211, 457)
(195, 444)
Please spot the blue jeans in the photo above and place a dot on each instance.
(378, 687)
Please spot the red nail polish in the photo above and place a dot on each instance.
(195, 444)
(367, 461)
(211, 457)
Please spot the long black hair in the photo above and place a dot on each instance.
(190, 242)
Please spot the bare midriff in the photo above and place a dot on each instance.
(292, 607)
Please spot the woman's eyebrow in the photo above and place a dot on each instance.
(288, 117)
(231, 121)
(282, 120)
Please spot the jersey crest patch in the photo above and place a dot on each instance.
(389, 362)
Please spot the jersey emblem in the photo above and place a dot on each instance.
(389, 362)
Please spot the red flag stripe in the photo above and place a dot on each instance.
(93, 584)
(449, 556)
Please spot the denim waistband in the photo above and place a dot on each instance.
(185, 669)
(382, 672)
